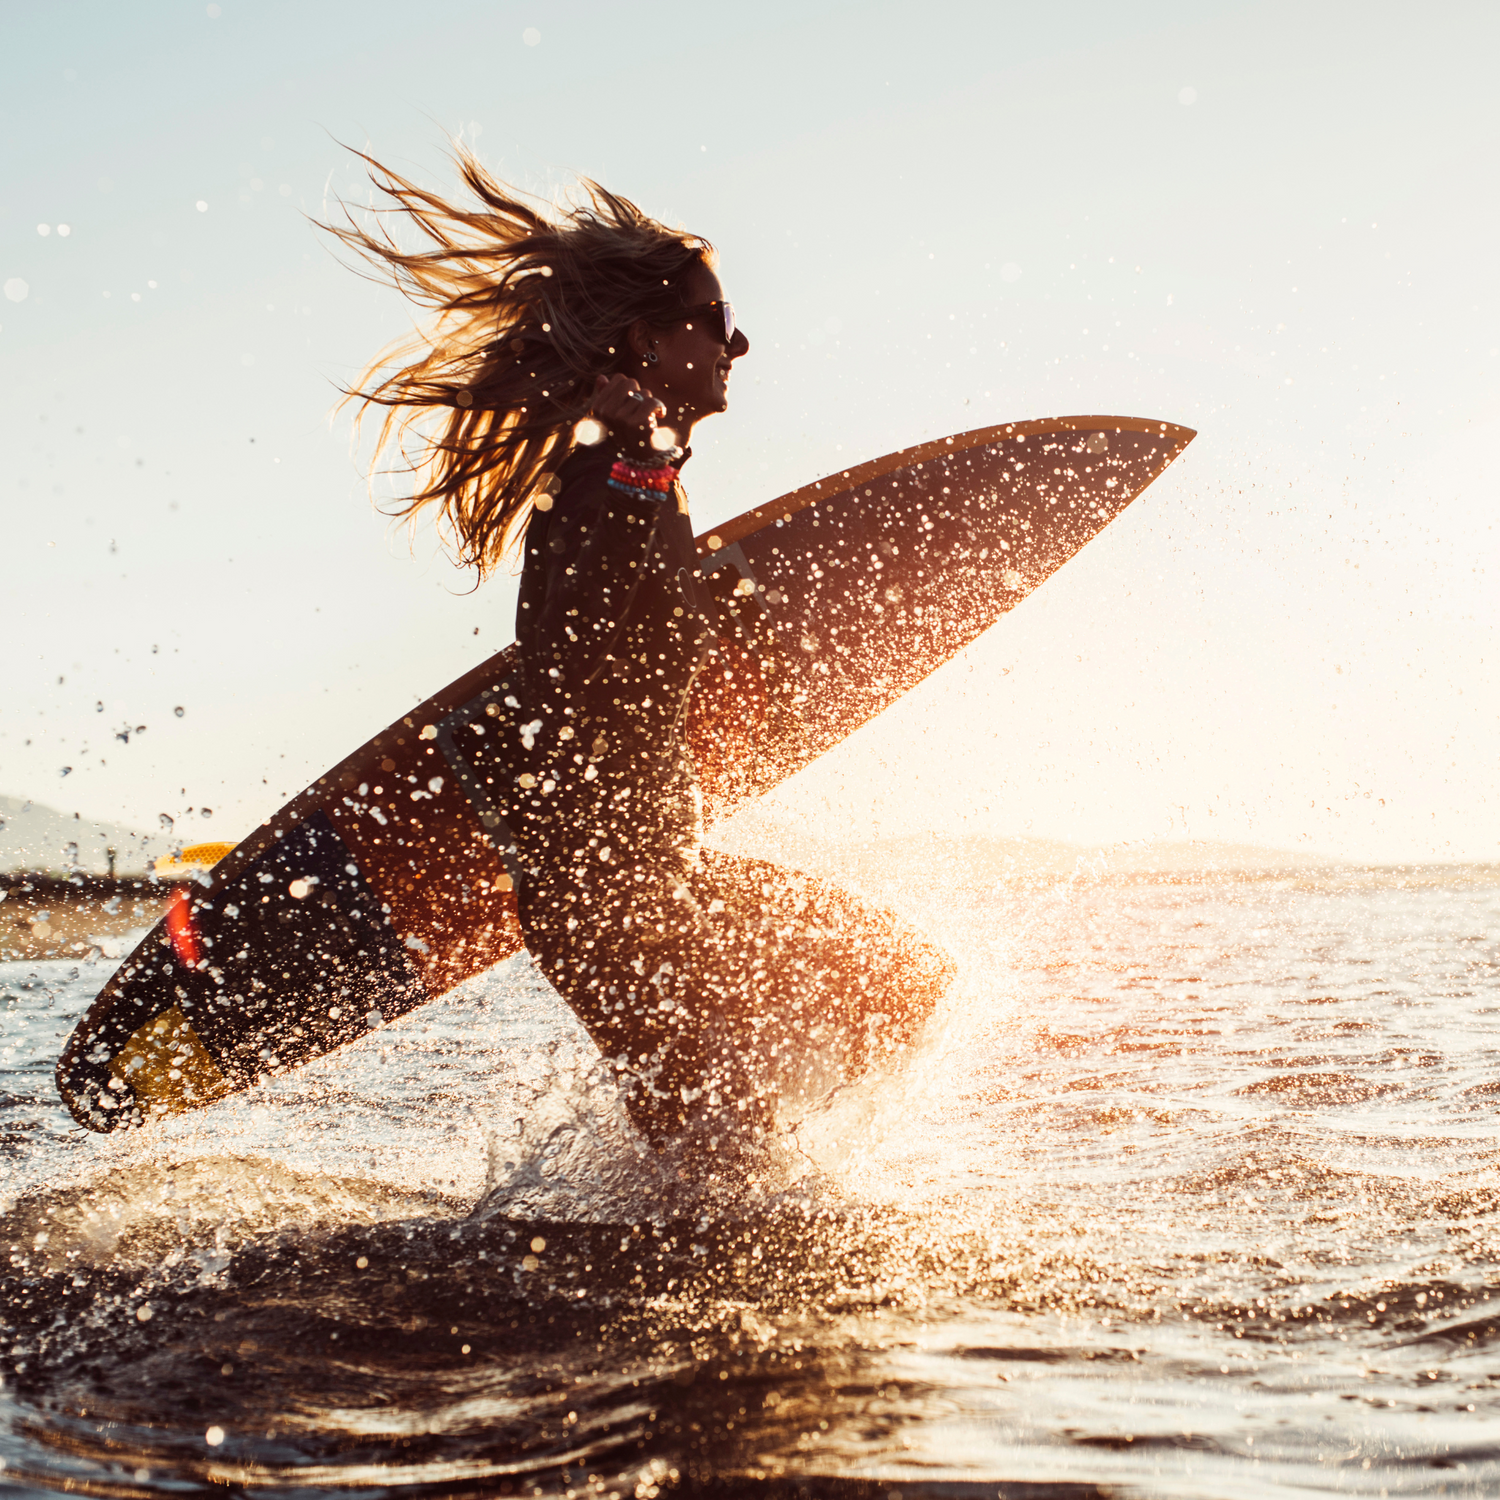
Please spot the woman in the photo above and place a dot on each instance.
(561, 377)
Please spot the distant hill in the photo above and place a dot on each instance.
(36, 837)
(978, 860)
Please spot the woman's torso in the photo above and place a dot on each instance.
(612, 623)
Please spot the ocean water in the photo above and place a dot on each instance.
(1190, 1191)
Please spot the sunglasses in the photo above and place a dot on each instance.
(715, 311)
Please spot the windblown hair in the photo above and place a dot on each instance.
(527, 308)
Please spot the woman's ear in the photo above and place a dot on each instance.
(639, 338)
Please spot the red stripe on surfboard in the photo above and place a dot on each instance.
(181, 932)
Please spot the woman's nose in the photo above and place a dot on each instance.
(739, 344)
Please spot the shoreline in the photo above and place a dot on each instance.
(52, 916)
(47, 916)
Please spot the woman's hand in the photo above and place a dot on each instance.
(619, 402)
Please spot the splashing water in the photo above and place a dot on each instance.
(1188, 1191)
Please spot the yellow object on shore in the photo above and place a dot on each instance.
(192, 861)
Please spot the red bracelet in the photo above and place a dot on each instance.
(644, 484)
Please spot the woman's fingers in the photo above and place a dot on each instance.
(619, 401)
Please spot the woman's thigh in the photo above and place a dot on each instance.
(821, 956)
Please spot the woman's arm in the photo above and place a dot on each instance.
(592, 548)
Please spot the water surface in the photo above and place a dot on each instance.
(1191, 1192)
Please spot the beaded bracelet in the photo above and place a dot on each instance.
(641, 483)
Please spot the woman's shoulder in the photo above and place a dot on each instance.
(582, 475)
(574, 491)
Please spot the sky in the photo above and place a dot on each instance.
(1274, 223)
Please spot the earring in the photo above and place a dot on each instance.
(651, 357)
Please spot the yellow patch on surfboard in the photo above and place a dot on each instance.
(167, 1067)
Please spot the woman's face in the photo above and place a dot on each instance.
(691, 373)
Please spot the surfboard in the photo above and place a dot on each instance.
(390, 879)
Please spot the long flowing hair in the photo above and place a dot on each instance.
(527, 304)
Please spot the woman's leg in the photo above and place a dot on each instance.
(638, 962)
(707, 988)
